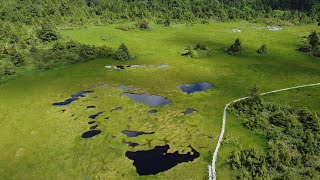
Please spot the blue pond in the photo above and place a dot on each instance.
(189, 111)
(151, 100)
(191, 88)
(135, 133)
(158, 159)
(73, 97)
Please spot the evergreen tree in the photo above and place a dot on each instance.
(263, 49)
(235, 49)
(122, 53)
(47, 33)
(313, 39)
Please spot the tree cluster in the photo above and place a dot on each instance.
(195, 51)
(293, 150)
(312, 44)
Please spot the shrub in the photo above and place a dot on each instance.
(47, 33)
(314, 39)
(125, 28)
(143, 25)
(122, 53)
(305, 49)
(58, 46)
(263, 49)
(6, 67)
(167, 22)
(235, 49)
(16, 57)
(200, 46)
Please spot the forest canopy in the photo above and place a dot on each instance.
(68, 11)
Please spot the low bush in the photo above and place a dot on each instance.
(263, 49)
(235, 49)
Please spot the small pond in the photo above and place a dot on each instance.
(135, 133)
(158, 159)
(152, 111)
(191, 88)
(131, 144)
(189, 111)
(73, 97)
(151, 100)
(93, 116)
(91, 107)
(90, 134)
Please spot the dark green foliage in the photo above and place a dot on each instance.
(143, 25)
(251, 162)
(195, 51)
(80, 12)
(313, 45)
(122, 53)
(293, 143)
(200, 46)
(167, 22)
(15, 57)
(263, 49)
(47, 33)
(314, 39)
(250, 106)
(6, 67)
(318, 20)
(68, 53)
(235, 49)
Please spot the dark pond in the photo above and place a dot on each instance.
(135, 133)
(189, 111)
(116, 109)
(153, 111)
(131, 144)
(158, 159)
(90, 134)
(74, 97)
(191, 88)
(91, 107)
(151, 100)
(94, 127)
(93, 116)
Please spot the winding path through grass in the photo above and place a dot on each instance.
(212, 167)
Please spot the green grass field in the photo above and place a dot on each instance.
(37, 141)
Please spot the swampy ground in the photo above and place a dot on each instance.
(38, 141)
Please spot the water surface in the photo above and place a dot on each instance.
(197, 87)
(158, 159)
(151, 100)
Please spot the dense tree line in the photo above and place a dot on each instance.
(68, 11)
(293, 149)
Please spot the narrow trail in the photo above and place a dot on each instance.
(212, 167)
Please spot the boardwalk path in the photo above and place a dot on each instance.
(212, 167)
